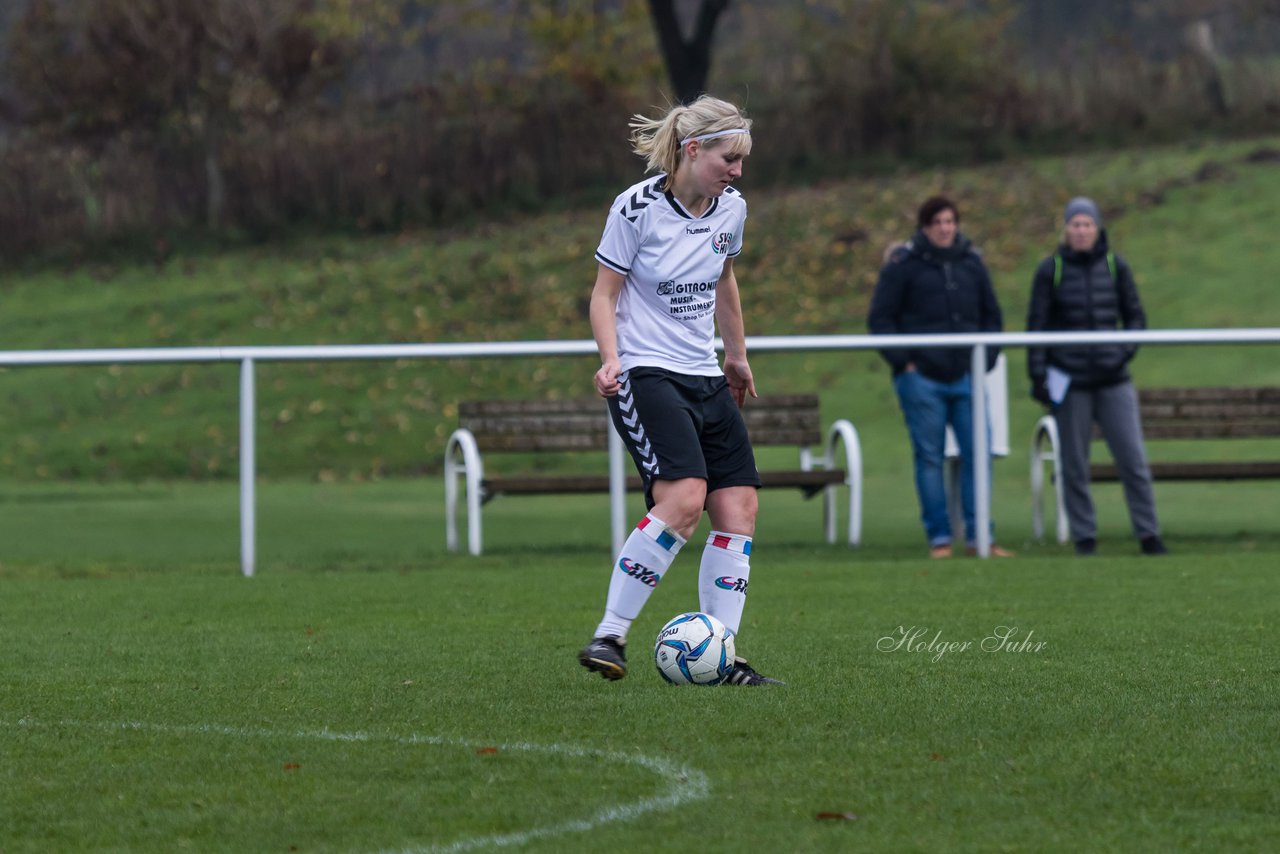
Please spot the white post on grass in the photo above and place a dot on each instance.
(247, 467)
(617, 487)
(981, 452)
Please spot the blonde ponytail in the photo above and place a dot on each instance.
(658, 140)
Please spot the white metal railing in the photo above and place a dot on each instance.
(248, 356)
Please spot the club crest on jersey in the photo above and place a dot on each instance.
(720, 243)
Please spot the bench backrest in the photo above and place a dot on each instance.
(580, 424)
(1203, 413)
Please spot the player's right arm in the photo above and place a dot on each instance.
(603, 312)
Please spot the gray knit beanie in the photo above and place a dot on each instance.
(1082, 205)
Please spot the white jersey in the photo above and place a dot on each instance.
(672, 261)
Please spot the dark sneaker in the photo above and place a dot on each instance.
(1086, 547)
(606, 656)
(1153, 545)
(744, 674)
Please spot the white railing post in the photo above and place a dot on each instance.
(981, 452)
(617, 488)
(247, 467)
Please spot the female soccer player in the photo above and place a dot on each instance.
(665, 281)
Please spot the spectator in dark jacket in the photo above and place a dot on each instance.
(936, 283)
(1084, 286)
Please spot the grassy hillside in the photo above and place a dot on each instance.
(1196, 222)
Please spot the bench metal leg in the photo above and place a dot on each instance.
(844, 432)
(462, 444)
(1046, 434)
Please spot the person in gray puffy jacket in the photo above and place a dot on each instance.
(1085, 286)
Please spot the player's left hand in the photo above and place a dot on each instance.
(606, 379)
(741, 383)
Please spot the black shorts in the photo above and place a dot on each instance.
(677, 426)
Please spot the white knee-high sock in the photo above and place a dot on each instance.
(645, 556)
(722, 577)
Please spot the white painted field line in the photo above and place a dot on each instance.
(684, 784)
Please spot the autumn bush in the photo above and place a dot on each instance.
(144, 121)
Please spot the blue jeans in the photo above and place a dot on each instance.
(928, 406)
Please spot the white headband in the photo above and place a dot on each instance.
(716, 135)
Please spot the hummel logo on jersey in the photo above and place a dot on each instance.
(706, 229)
(728, 582)
(639, 572)
(720, 243)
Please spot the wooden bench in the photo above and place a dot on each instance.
(1172, 413)
(490, 427)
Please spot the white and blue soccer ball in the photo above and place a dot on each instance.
(694, 649)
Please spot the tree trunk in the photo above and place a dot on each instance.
(215, 184)
(1199, 37)
(688, 60)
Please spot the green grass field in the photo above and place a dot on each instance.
(435, 704)
(368, 691)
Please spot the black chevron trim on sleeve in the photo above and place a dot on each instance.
(639, 200)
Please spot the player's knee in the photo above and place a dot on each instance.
(686, 530)
(681, 517)
(734, 511)
(679, 504)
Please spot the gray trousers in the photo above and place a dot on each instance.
(1115, 409)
